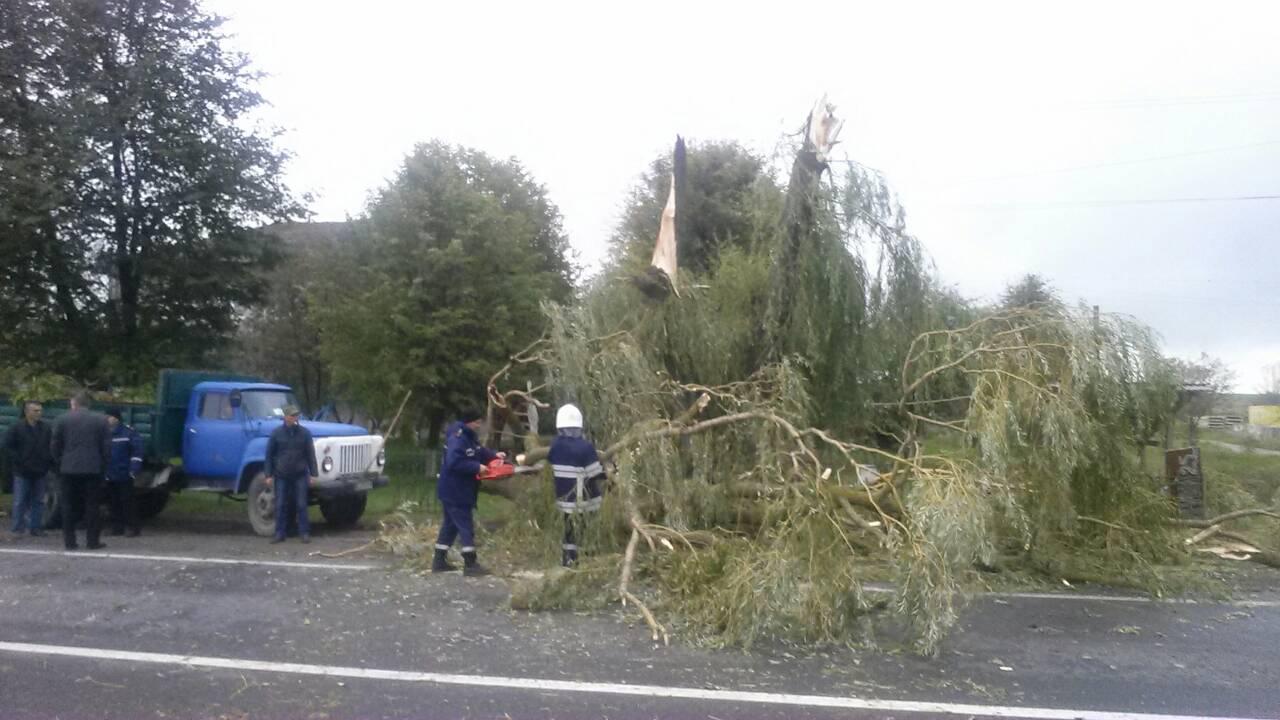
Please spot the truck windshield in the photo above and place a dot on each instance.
(266, 403)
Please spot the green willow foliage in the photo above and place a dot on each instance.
(1047, 408)
(1058, 407)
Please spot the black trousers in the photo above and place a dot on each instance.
(81, 496)
(124, 513)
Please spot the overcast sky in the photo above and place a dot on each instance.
(1092, 143)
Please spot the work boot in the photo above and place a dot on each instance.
(440, 562)
(471, 568)
(569, 558)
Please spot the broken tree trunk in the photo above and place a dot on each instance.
(799, 224)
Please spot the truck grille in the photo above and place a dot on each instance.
(353, 459)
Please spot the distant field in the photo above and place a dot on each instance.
(1240, 438)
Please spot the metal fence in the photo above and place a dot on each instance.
(413, 472)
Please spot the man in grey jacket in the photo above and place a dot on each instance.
(81, 454)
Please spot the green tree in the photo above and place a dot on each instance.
(1031, 291)
(729, 198)
(46, 302)
(130, 184)
(1204, 381)
(1270, 381)
(280, 339)
(461, 251)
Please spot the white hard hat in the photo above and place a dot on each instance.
(568, 416)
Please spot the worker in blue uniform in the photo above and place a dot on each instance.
(579, 478)
(459, 490)
(126, 463)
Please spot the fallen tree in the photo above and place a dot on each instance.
(785, 513)
(771, 448)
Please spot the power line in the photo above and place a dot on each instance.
(1115, 163)
(1102, 203)
(1123, 103)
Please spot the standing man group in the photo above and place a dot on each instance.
(81, 447)
(291, 468)
(28, 445)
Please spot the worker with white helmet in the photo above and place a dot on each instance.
(579, 477)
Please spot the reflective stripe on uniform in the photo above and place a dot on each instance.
(571, 506)
(579, 476)
(574, 472)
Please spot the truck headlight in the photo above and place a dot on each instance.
(382, 458)
(327, 464)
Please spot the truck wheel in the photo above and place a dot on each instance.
(343, 512)
(262, 506)
(149, 504)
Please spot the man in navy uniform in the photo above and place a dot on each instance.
(126, 461)
(459, 490)
(579, 478)
(291, 467)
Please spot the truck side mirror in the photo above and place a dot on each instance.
(235, 398)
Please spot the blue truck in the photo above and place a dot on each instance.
(208, 432)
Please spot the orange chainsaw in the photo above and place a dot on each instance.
(497, 469)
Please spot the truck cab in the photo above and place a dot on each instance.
(224, 443)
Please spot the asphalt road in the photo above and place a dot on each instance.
(174, 635)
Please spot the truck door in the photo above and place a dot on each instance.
(214, 438)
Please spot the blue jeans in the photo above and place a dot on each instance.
(28, 501)
(291, 497)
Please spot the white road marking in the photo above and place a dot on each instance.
(651, 691)
(876, 589)
(887, 590)
(1132, 599)
(91, 555)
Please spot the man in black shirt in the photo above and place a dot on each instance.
(291, 467)
(28, 446)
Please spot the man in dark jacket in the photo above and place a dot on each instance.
(126, 461)
(28, 446)
(458, 490)
(579, 478)
(81, 451)
(291, 467)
